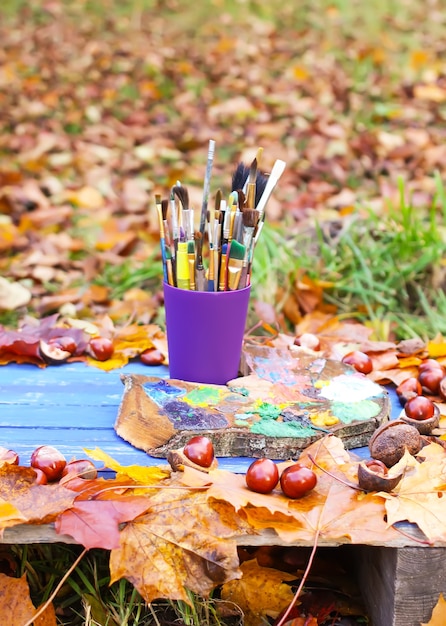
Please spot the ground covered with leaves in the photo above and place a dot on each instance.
(102, 105)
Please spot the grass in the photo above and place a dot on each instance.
(87, 598)
(387, 270)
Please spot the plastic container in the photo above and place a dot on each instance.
(205, 333)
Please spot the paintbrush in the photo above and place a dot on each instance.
(240, 181)
(258, 230)
(240, 177)
(169, 265)
(210, 215)
(159, 211)
(182, 210)
(271, 182)
(174, 218)
(250, 219)
(229, 215)
(164, 211)
(234, 264)
(191, 262)
(183, 277)
(200, 275)
(251, 186)
(206, 185)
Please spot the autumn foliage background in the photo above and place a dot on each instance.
(105, 103)
(102, 104)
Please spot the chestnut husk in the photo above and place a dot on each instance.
(372, 481)
(390, 440)
(178, 460)
(424, 427)
(52, 354)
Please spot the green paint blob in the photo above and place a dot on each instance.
(203, 396)
(271, 428)
(268, 411)
(348, 412)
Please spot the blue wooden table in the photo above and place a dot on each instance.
(73, 407)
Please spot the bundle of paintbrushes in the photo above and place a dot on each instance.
(218, 255)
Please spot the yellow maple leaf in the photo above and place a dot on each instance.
(436, 347)
(9, 514)
(261, 592)
(438, 617)
(140, 474)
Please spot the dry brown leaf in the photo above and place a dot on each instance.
(419, 497)
(16, 607)
(13, 295)
(260, 593)
(161, 556)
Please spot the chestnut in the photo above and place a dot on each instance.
(359, 360)
(408, 389)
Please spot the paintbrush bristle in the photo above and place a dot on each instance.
(261, 181)
(240, 176)
(198, 238)
(164, 208)
(250, 218)
(237, 250)
(183, 195)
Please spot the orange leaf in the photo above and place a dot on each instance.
(260, 593)
(47, 618)
(417, 498)
(438, 617)
(15, 603)
(36, 503)
(95, 523)
(332, 510)
(161, 556)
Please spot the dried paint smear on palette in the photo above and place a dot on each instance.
(283, 403)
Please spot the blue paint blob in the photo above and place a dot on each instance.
(161, 391)
(185, 417)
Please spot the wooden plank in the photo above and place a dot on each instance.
(64, 406)
(401, 585)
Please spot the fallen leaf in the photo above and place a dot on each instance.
(96, 523)
(13, 295)
(15, 602)
(138, 473)
(419, 497)
(438, 617)
(261, 593)
(162, 557)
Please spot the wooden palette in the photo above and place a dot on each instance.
(284, 404)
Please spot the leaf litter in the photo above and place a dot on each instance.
(92, 128)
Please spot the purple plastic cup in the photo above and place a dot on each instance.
(205, 333)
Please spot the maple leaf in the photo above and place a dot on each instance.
(36, 503)
(47, 617)
(332, 510)
(96, 523)
(438, 617)
(182, 541)
(129, 342)
(419, 497)
(140, 474)
(260, 593)
(16, 606)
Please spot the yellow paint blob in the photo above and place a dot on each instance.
(324, 418)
